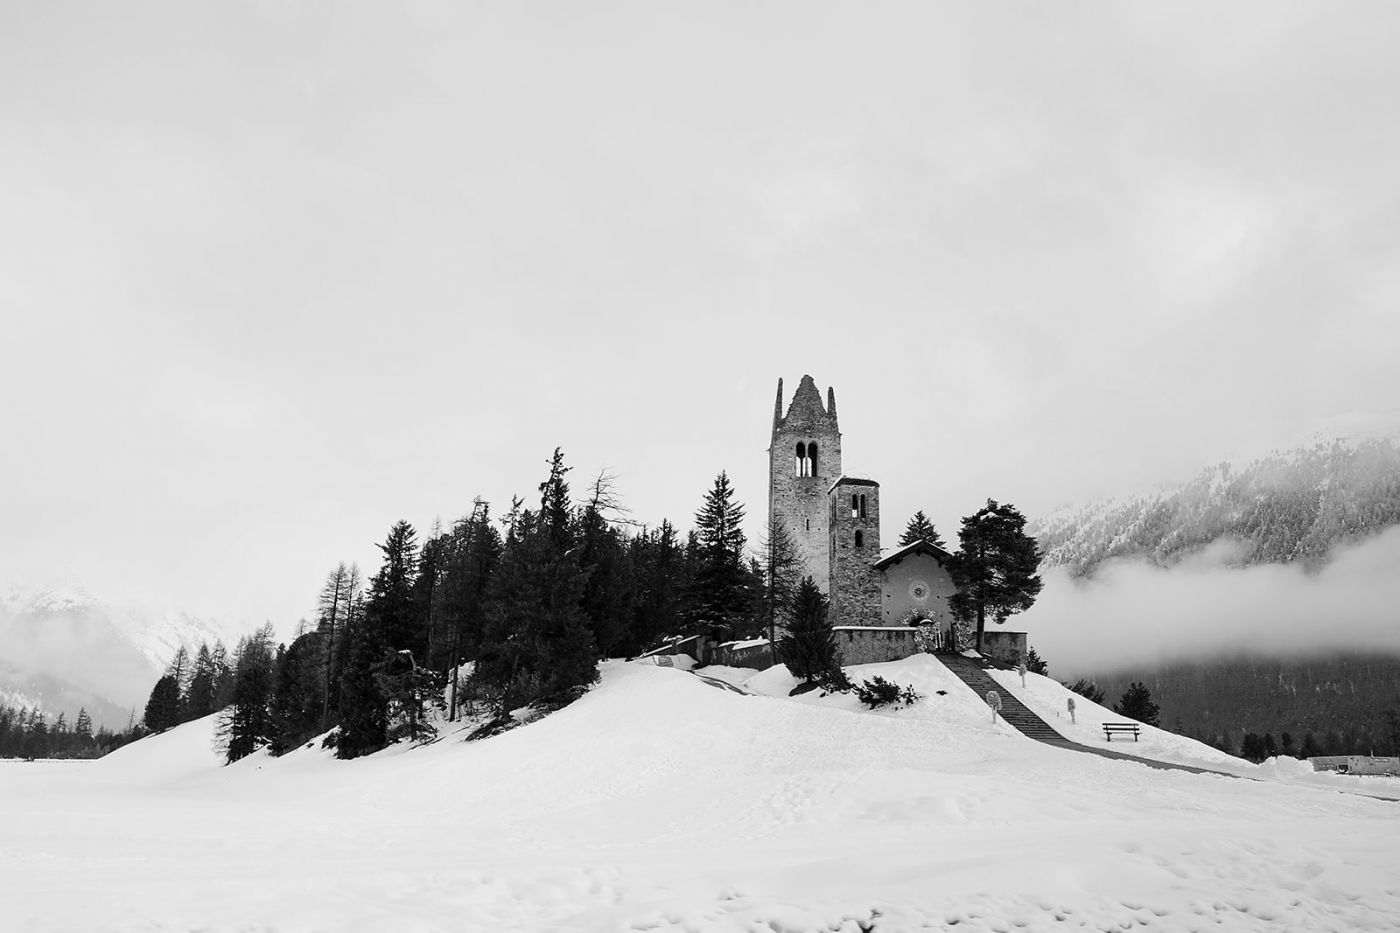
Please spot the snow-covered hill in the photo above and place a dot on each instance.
(658, 802)
(62, 648)
(1294, 505)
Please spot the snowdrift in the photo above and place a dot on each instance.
(661, 802)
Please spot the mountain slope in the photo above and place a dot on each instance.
(1289, 506)
(63, 648)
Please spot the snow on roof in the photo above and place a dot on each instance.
(852, 479)
(938, 553)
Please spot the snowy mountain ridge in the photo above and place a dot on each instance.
(1291, 505)
(61, 647)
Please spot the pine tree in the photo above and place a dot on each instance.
(995, 567)
(363, 710)
(83, 727)
(203, 685)
(808, 649)
(163, 706)
(388, 625)
(223, 675)
(297, 692)
(920, 529)
(608, 588)
(537, 647)
(661, 570)
(721, 595)
(246, 724)
(1137, 704)
(782, 578)
(330, 611)
(472, 557)
(1036, 664)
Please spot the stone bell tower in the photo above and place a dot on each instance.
(855, 548)
(804, 459)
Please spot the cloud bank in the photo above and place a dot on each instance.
(1131, 614)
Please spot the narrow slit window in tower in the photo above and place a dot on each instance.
(812, 459)
(860, 539)
(855, 506)
(862, 506)
(801, 463)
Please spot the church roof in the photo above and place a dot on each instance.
(851, 479)
(918, 547)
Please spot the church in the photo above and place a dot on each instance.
(881, 604)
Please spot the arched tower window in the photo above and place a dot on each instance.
(812, 459)
(862, 506)
(801, 463)
(860, 539)
(855, 506)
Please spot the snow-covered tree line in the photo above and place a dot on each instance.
(27, 732)
(499, 613)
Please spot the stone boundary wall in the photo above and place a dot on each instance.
(757, 657)
(862, 644)
(1006, 647)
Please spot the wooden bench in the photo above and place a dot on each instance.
(1110, 729)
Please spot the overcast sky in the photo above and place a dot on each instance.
(274, 275)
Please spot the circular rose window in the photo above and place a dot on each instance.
(918, 590)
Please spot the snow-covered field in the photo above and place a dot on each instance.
(660, 802)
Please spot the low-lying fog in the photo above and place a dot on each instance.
(1130, 613)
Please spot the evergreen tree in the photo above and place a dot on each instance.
(388, 625)
(662, 579)
(608, 583)
(83, 727)
(472, 557)
(995, 567)
(1252, 748)
(721, 596)
(920, 529)
(199, 702)
(1036, 664)
(246, 724)
(1137, 704)
(391, 607)
(163, 706)
(297, 692)
(432, 561)
(808, 649)
(782, 578)
(223, 675)
(363, 710)
(537, 647)
(330, 611)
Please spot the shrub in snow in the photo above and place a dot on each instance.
(877, 692)
(994, 701)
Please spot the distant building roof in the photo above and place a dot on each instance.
(918, 547)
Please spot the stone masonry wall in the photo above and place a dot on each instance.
(855, 583)
(875, 644)
(800, 501)
(1001, 645)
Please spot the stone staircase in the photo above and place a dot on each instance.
(973, 672)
